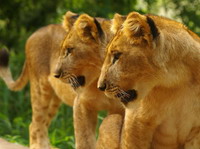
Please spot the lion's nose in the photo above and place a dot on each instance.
(58, 74)
(102, 87)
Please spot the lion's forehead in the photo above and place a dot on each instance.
(72, 40)
(119, 43)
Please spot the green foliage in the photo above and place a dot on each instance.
(189, 11)
(62, 129)
(20, 18)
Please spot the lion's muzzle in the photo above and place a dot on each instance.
(130, 96)
(102, 86)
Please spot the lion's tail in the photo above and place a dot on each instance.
(6, 75)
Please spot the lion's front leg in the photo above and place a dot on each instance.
(85, 121)
(138, 130)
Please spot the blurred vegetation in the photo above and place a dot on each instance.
(20, 18)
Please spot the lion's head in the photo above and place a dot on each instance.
(82, 52)
(146, 51)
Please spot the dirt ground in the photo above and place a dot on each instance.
(7, 145)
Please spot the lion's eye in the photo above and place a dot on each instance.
(116, 57)
(68, 51)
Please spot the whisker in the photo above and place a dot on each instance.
(75, 82)
(75, 79)
(113, 90)
(70, 81)
(122, 95)
(119, 93)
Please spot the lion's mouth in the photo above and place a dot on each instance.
(127, 96)
(81, 80)
(76, 82)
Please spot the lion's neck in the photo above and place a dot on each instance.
(192, 60)
(181, 60)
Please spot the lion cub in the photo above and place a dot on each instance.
(81, 58)
(152, 66)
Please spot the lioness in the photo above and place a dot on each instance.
(42, 52)
(152, 66)
(81, 58)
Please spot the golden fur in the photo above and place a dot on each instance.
(47, 92)
(157, 59)
(82, 56)
(110, 132)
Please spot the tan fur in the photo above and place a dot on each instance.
(68, 21)
(110, 132)
(164, 70)
(47, 92)
(82, 54)
(117, 22)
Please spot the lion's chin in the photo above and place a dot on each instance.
(81, 80)
(131, 95)
(75, 82)
(125, 97)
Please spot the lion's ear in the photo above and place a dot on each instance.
(117, 22)
(139, 27)
(88, 28)
(68, 20)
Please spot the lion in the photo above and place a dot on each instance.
(152, 67)
(79, 65)
(47, 92)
